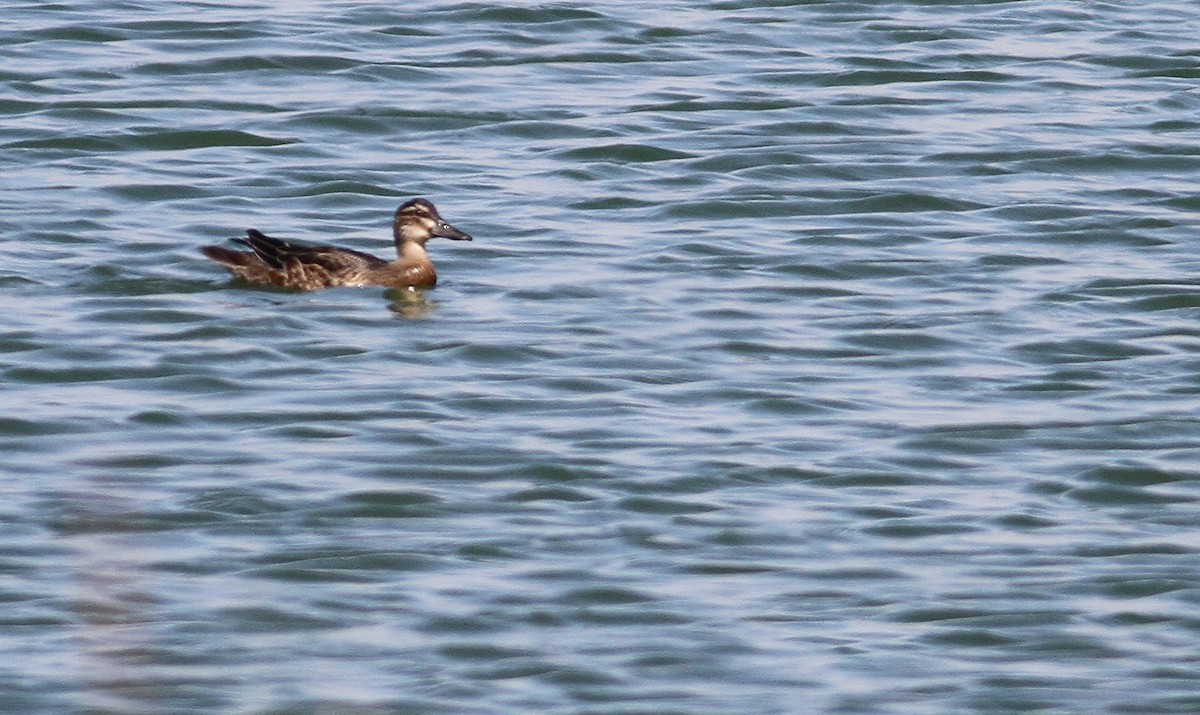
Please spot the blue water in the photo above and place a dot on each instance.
(810, 357)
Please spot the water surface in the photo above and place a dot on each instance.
(810, 357)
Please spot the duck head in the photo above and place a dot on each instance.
(418, 221)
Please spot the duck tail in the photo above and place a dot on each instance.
(227, 256)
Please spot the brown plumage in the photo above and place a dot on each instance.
(275, 261)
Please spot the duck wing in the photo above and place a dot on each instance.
(279, 254)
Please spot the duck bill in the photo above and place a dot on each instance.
(445, 230)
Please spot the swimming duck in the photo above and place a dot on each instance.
(275, 261)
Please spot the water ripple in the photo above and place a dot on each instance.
(809, 357)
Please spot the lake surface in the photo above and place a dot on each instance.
(810, 357)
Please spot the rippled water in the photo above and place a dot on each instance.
(825, 357)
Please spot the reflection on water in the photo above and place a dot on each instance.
(410, 303)
(115, 607)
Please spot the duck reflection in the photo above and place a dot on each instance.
(409, 303)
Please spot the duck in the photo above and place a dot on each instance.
(277, 262)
